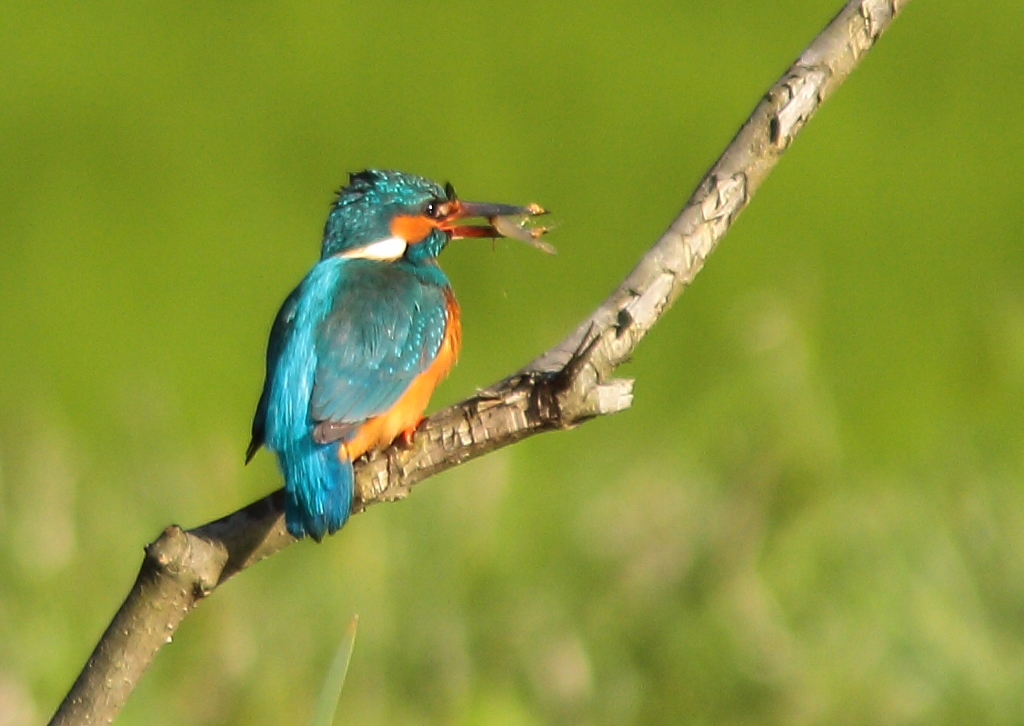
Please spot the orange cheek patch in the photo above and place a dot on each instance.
(411, 228)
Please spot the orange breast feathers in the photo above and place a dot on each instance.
(406, 414)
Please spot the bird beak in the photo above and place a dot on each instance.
(506, 220)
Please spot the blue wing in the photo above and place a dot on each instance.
(384, 328)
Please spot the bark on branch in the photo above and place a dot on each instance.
(563, 387)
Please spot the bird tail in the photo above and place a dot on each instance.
(318, 488)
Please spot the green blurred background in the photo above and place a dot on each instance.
(813, 513)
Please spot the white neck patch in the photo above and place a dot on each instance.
(387, 249)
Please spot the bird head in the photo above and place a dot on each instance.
(390, 215)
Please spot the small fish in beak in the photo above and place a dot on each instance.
(506, 220)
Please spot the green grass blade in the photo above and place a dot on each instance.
(331, 693)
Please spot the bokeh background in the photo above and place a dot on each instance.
(813, 514)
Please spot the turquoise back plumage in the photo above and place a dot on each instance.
(318, 485)
(386, 323)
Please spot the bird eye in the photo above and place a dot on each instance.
(434, 209)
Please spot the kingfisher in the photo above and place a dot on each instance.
(357, 348)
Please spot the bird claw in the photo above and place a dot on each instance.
(410, 433)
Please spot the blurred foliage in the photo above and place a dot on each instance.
(813, 514)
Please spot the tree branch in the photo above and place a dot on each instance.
(563, 387)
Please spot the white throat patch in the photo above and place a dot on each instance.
(387, 249)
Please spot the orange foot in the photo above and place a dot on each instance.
(408, 433)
